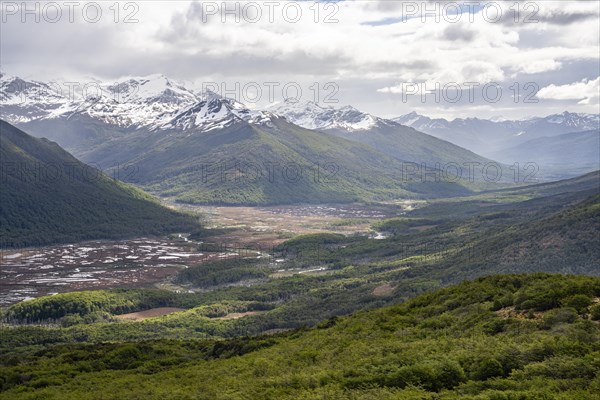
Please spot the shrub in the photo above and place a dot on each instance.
(70, 320)
(124, 357)
(433, 375)
(579, 302)
(595, 312)
(559, 316)
(486, 369)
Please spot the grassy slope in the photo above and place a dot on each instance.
(77, 133)
(500, 337)
(408, 144)
(48, 196)
(188, 166)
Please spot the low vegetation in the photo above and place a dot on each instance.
(499, 337)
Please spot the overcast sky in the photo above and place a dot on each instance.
(381, 55)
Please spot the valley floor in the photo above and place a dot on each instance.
(153, 262)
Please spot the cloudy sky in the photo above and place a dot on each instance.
(448, 59)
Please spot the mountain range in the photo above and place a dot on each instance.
(145, 122)
(173, 138)
(558, 156)
(521, 141)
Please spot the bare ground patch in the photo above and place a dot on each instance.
(152, 313)
(239, 315)
(383, 290)
(511, 312)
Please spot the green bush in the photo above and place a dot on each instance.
(579, 302)
(124, 357)
(595, 312)
(486, 369)
(70, 320)
(559, 316)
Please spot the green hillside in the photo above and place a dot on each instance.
(408, 144)
(266, 164)
(500, 337)
(77, 133)
(48, 196)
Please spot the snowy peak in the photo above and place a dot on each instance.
(311, 115)
(132, 102)
(151, 102)
(155, 88)
(137, 102)
(410, 119)
(574, 120)
(24, 100)
(214, 112)
(421, 122)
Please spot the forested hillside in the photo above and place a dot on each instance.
(48, 196)
(509, 336)
(274, 163)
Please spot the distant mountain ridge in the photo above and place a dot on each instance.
(578, 152)
(485, 136)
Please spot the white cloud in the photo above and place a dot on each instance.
(585, 91)
(173, 38)
(538, 66)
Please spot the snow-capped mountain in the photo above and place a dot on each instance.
(311, 115)
(425, 124)
(152, 102)
(214, 112)
(558, 124)
(577, 121)
(391, 138)
(149, 101)
(25, 100)
(131, 102)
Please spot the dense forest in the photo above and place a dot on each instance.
(48, 196)
(501, 337)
